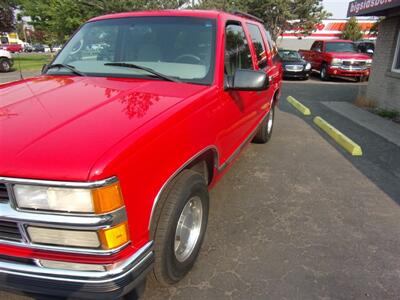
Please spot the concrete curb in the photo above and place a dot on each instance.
(378, 125)
(345, 142)
(300, 107)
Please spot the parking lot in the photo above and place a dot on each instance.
(299, 218)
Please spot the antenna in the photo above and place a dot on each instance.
(19, 67)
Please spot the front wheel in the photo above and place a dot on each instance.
(181, 226)
(324, 73)
(5, 65)
(264, 132)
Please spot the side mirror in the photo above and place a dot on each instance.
(248, 80)
(44, 69)
(370, 51)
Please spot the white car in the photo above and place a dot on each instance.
(56, 48)
(6, 61)
(47, 49)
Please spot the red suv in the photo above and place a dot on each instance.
(108, 157)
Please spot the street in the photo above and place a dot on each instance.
(300, 218)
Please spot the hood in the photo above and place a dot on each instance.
(349, 55)
(56, 127)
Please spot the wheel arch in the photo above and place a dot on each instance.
(205, 162)
(275, 98)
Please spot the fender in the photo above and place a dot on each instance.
(182, 167)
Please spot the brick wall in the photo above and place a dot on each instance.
(384, 85)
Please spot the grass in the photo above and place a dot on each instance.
(31, 61)
(372, 106)
(387, 113)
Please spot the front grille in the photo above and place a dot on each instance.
(294, 68)
(353, 63)
(3, 193)
(9, 231)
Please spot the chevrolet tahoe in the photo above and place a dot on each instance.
(107, 158)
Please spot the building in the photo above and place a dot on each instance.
(327, 29)
(384, 84)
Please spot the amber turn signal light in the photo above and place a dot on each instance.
(107, 199)
(114, 237)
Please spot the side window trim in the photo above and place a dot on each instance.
(247, 48)
(263, 62)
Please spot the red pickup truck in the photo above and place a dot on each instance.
(339, 58)
(107, 158)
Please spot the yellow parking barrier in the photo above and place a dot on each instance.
(300, 107)
(349, 145)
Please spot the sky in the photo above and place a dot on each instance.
(338, 8)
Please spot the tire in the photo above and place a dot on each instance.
(172, 259)
(324, 73)
(264, 132)
(5, 65)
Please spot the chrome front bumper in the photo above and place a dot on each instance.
(111, 284)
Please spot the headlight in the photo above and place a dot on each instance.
(307, 67)
(336, 62)
(76, 200)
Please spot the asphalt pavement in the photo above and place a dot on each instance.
(300, 218)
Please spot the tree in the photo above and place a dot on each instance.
(224, 5)
(7, 19)
(107, 6)
(58, 19)
(352, 30)
(302, 14)
(375, 28)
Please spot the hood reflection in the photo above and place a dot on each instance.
(136, 104)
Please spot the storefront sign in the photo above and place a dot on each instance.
(369, 7)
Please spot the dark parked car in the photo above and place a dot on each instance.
(294, 66)
(367, 47)
(41, 48)
(38, 48)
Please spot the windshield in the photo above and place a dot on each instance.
(289, 55)
(341, 47)
(179, 47)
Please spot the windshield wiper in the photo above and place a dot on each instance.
(69, 67)
(149, 70)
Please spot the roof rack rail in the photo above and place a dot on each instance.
(246, 15)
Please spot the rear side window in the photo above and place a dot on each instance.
(317, 46)
(258, 44)
(237, 51)
(272, 47)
